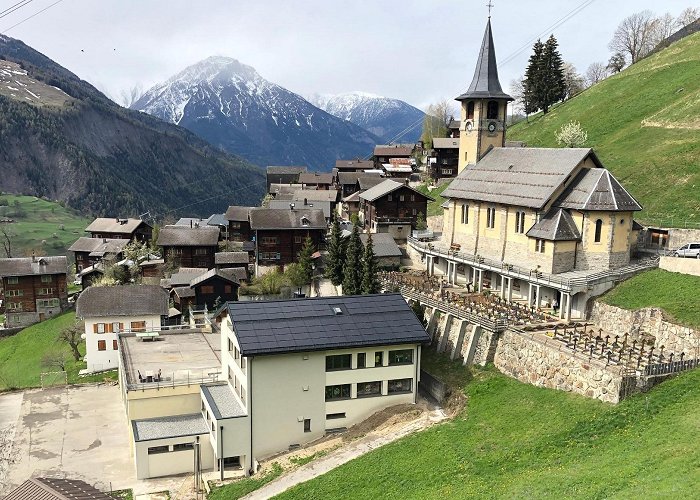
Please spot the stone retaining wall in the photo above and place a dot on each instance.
(647, 321)
(544, 364)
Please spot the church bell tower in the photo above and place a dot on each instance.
(484, 107)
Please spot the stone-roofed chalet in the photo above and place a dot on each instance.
(89, 251)
(443, 163)
(34, 288)
(189, 246)
(50, 488)
(392, 207)
(130, 229)
(283, 175)
(386, 250)
(316, 180)
(349, 181)
(238, 223)
(353, 165)
(280, 234)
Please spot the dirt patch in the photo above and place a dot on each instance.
(455, 402)
(384, 420)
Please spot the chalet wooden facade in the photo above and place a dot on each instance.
(316, 180)
(392, 205)
(34, 288)
(445, 159)
(184, 246)
(238, 223)
(283, 175)
(280, 234)
(214, 288)
(116, 228)
(90, 251)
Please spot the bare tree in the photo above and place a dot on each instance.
(517, 92)
(635, 35)
(437, 118)
(7, 236)
(664, 27)
(54, 359)
(130, 96)
(617, 62)
(573, 82)
(595, 73)
(72, 336)
(688, 16)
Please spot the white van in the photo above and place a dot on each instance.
(688, 250)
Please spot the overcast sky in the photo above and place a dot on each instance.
(418, 51)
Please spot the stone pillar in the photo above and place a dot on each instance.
(481, 279)
(471, 345)
(432, 322)
(509, 295)
(567, 315)
(457, 349)
(529, 294)
(537, 296)
(454, 271)
(442, 343)
(503, 286)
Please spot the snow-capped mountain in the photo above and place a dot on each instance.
(230, 105)
(383, 116)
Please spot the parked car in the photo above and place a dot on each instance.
(689, 250)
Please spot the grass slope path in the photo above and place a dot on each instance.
(519, 441)
(644, 123)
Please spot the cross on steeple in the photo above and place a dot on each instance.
(490, 6)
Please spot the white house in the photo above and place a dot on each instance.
(293, 370)
(108, 311)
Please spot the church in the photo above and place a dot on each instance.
(548, 225)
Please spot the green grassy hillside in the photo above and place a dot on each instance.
(519, 441)
(40, 225)
(644, 123)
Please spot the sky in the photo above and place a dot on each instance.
(417, 51)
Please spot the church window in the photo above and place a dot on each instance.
(492, 110)
(470, 110)
(465, 214)
(520, 222)
(598, 230)
(491, 217)
(539, 246)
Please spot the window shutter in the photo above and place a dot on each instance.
(121, 327)
(94, 328)
(108, 328)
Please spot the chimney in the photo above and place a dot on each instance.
(291, 206)
(306, 201)
(33, 256)
(117, 219)
(191, 224)
(104, 240)
(406, 181)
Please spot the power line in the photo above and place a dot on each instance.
(14, 7)
(31, 17)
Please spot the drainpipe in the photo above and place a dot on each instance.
(251, 469)
(221, 449)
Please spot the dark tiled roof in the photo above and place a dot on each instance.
(185, 236)
(525, 177)
(354, 164)
(274, 218)
(445, 143)
(383, 244)
(169, 427)
(185, 276)
(100, 245)
(313, 324)
(369, 182)
(597, 189)
(231, 258)
(222, 401)
(393, 150)
(189, 221)
(315, 178)
(217, 220)
(325, 206)
(183, 292)
(48, 488)
(28, 266)
(290, 170)
(386, 187)
(213, 273)
(351, 178)
(114, 225)
(124, 300)
(556, 225)
(485, 84)
(237, 214)
(330, 195)
(454, 124)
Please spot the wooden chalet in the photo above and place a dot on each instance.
(34, 288)
(392, 207)
(445, 159)
(384, 153)
(215, 287)
(283, 175)
(90, 251)
(453, 128)
(238, 223)
(113, 228)
(353, 165)
(316, 180)
(184, 246)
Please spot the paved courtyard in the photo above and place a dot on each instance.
(76, 432)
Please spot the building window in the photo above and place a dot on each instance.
(335, 416)
(379, 358)
(230, 346)
(154, 450)
(138, 326)
(598, 230)
(490, 217)
(100, 328)
(176, 251)
(46, 278)
(12, 280)
(361, 360)
(243, 394)
(519, 222)
(401, 197)
(465, 214)
(235, 225)
(14, 293)
(183, 447)
(446, 171)
(465, 156)
(400, 385)
(413, 197)
(338, 362)
(227, 289)
(402, 357)
(307, 425)
(207, 289)
(45, 291)
(14, 306)
(368, 389)
(101, 345)
(115, 345)
(539, 246)
(298, 239)
(268, 240)
(116, 327)
(470, 110)
(269, 256)
(390, 198)
(415, 212)
(492, 110)
(200, 251)
(335, 392)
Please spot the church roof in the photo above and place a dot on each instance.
(597, 189)
(485, 84)
(556, 225)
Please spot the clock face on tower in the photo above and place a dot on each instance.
(469, 126)
(492, 127)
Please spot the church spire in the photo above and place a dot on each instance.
(485, 84)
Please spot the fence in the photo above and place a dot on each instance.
(671, 367)
(433, 386)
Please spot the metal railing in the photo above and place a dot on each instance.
(671, 367)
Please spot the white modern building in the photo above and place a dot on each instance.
(110, 310)
(292, 371)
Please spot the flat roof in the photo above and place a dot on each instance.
(222, 401)
(181, 358)
(169, 427)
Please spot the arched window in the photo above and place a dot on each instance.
(492, 110)
(465, 214)
(470, 110)
(598, 230)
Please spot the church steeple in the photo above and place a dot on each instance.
(484, 107)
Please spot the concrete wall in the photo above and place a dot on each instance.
(648, 321)
(680, 265)
(163, 402)
(545, 364)
(173, 462)
(679, 237)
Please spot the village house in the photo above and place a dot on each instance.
(184, 246)
(386, 250)
(283, 175)
(238, 223)
(228, 260)
(353, 165)
(34, 289)
(331, 363)
(90, 251)
(316, 180)
(392, 207)
(453, 128)
(443, 163)
(348, 181)
(384, 153)
(116, 228)
(280, 234)
(214, 288)
(108, 311)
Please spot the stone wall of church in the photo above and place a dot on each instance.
(563, 262)
(600, 261)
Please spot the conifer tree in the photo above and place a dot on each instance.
(306, 265)
(533, 80)
(336, 255)
(352, 271)
(370, 282)
(545, 82)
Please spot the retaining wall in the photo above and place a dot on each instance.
(680, 265)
